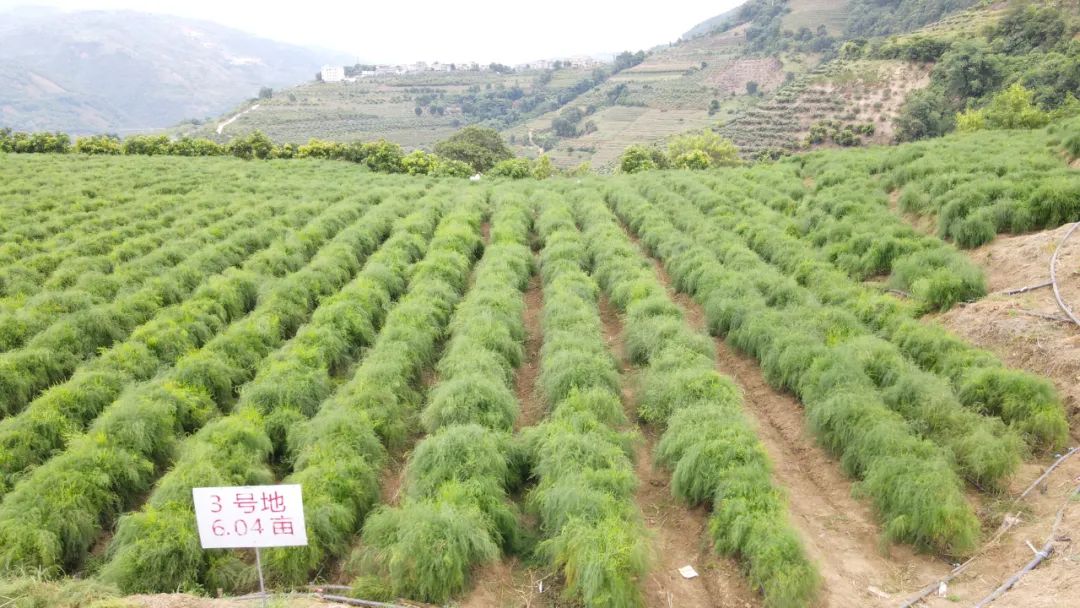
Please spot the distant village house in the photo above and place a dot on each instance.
(333, 73)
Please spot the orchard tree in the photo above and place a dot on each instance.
(702, 151)
(479, 147)
(639, 157)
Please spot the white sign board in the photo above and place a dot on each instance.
(250, 516)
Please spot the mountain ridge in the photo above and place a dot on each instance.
(123, 71)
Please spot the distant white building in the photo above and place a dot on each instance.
(333, 73)
(582, 61)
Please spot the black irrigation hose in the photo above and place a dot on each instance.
(1053, 277)
(1020, 290)
(957, 571)
(1040, 556)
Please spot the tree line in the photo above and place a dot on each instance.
(469, 151)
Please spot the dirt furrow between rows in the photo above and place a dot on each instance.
(678, 533)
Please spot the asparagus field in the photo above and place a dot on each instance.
(469, 379)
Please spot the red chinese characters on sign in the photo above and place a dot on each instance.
(250, 516)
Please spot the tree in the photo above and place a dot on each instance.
(479, 147)
(317, 148)
(968, 69)
(626, 60)
(714, 106)
(1013, 108)
(147, 145)
(187, 146)
(689, 151)
(751, 87)
(639, 157)
(694, 159)
(514, 168)
(445, 167)
(419, 111)
(543, 168)
(383, 156)
(98, 144)
(926, 113)
(1027, 27)
(563, 127)
(266, 93)
(253, 145)
(419, 162)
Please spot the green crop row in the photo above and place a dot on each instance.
(44, 214)
(985, 183)
(911, 481)
(584, 496)
(157, 549)
(91, 271)
(846, 215)
(52, 355)
(338, 455)
(32, 436)
(715, 456)
(981, 382)
(985, 450)
(52, 517)
(455, 512)
(26, 276)
(82, 282)
(30, 275)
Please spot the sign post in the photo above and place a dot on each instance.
(250, 517)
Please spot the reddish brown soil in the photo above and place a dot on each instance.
(509, 584)
(532, 406)
(1016, 329)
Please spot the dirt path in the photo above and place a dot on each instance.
(678, 534)
(532, 409)
(221, 126)
(840, 532)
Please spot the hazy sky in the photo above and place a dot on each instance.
(447, 30)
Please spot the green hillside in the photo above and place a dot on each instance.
(768, 72)
(386, 106)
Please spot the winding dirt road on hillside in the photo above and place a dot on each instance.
(221, 126)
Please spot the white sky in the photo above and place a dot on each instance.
(440, 30)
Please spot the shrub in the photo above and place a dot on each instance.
(514, 168)
(98, 144)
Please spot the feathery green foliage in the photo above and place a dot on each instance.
(713, 452)
(585, 478)
(338, 453)
(796, 346)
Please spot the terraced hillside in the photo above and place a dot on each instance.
(385, 107)
(482, 387)
(760, 80)
(668, 93)
(861, 92)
